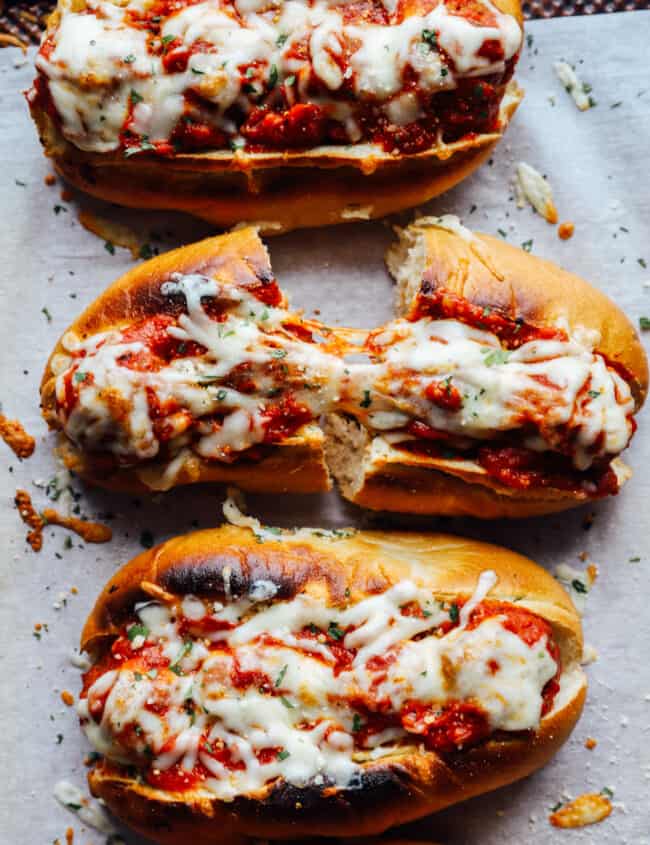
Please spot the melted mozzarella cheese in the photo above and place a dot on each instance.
(562, 390)
(290, 714)
(553, 384)
(99, 59)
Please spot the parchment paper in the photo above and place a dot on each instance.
(597, 163)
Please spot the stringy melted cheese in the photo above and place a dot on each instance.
(308, 715)
(560, 391)
(563, 388)
(101, 65)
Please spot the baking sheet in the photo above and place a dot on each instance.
(597, 164)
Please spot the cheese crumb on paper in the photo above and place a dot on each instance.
(532, 187)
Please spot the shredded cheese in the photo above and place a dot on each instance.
(578, 90)
(531, 186)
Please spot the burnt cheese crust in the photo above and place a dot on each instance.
(389, 791)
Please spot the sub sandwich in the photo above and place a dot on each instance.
(290, 113)
(285, 685)
(508, 387)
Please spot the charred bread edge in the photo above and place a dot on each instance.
(392, 791)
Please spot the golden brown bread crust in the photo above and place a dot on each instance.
(239, 258)
(277, 191)
(397, 789)
(490, 272)
(375, 475)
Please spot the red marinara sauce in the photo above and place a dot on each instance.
(439, 303)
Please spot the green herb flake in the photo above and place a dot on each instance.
(281, 39)
(503, 233)
(454, 613)
(290, 80)
(430, 38)
(137, 630)
(128, 60)
(287, 703)
(527, 245)
(335, 632)
(146, 251)
(366, 402)
(282, 755)
(280, 678)
(635, 559)
(357, 724)
(59, 208)
(644, 323)
(273, 76)
(109, 247)
(59, 739)
(607, 792)
(46, 314)
(578, 586)
(135, 97)
(198, 72)
(593, 394)
(279, 353)
(495, 356)
(642, 262)
(167, 39)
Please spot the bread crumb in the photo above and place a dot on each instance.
(15, 436)
(30, 517)
(591, 743)
(586, 809)
(67, 698)
(565, 230)
(91, 532)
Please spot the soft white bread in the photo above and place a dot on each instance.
(223, 564)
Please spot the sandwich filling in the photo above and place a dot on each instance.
(163, 77)
(227, 697)
(226, 371)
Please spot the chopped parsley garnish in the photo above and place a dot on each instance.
(135, 97)
(279, 353)
(527, 245)
(236, 144)
(495, 356)
(221, 394)
(185, 650)
(128, 60)
(79, 376)
(593, 394)
(335, 632)
(282, 755)
(607, 792)
(281, 39)
(429, 37)
(642, 262)
(287, 703)
(280, 678)
(634, 559)
(138, 676)
(454, 614)
(146, 539)
(145, 145)
(503, 233)
(366, 402)
(290, 80)
(578, 586)
(357, 724)
(146, 251)
(644, 323)
(273, 76)
(137, 630)
(198, 72)
(46, 314)
(59, 208)
(109, 247)
(59, 739)
(167, 39)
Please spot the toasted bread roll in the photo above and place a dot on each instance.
(570, 337)
(192, 368)
(291, 115)
(113, 444)
(297, 684)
